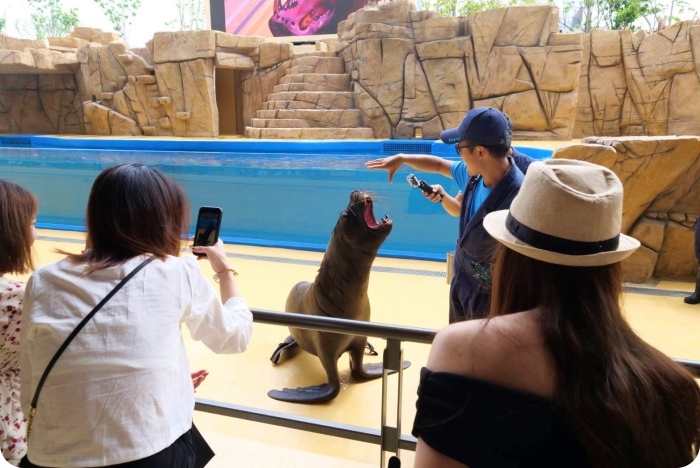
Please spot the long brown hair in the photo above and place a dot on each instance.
(629, 404)
(132, 210)
(18, 207)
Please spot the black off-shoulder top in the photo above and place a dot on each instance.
(483, 424)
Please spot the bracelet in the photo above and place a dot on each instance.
(216, 275)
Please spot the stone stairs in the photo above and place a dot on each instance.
(312, 101)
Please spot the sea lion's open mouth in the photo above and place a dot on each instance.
(370, 220)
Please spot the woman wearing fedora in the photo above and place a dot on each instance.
(555, 376)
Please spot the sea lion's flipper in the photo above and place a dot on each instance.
(313, 394)
(286, 344)
(374, 370)
(370, 349)
(366, 371)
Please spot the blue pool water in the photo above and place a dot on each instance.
(285, 198)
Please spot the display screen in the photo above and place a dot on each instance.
(207, 232)
(281, 18)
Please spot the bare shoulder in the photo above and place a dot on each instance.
(456, 346)
(507, 349)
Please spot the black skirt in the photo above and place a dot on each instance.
(188, 451)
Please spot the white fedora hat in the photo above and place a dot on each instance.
(567, 213)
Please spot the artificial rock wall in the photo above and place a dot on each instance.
(39, 89)
(413, 69)
(92, 83)
(166, 89)
(639, 84)
(661, 178)
(409, 73)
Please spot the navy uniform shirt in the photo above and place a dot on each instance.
(470, 291)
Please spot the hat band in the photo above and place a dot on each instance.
(543, 241)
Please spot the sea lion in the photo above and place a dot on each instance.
(339, 290)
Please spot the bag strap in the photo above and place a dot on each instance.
(32, 408)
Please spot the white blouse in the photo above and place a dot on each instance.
(122, 389)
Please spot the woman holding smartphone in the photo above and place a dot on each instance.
(121, 392)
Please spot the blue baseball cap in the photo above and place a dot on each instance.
(482, 126)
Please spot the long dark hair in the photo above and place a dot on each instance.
(18, 207)
(132, 210)
(629, 404)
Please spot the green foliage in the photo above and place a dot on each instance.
(467, 7)
(120, 13)
(50, 20)
(3, 22)
(624, 14)
(678, 9)
(190, 15)
(584, 15)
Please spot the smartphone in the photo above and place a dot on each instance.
(208, 226)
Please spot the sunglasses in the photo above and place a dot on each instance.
(459, 148)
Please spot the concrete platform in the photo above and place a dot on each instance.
(405, 292)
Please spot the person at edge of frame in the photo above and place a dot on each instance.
(695, 297)
(489, 175)
(18, 210)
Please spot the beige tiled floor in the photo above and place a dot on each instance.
(405, 299)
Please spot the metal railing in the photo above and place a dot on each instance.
(389, 438)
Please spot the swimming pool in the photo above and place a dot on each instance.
(285, 194)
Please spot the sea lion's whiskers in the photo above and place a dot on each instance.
(379, 201)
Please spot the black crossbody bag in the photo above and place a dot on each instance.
(203, 453)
